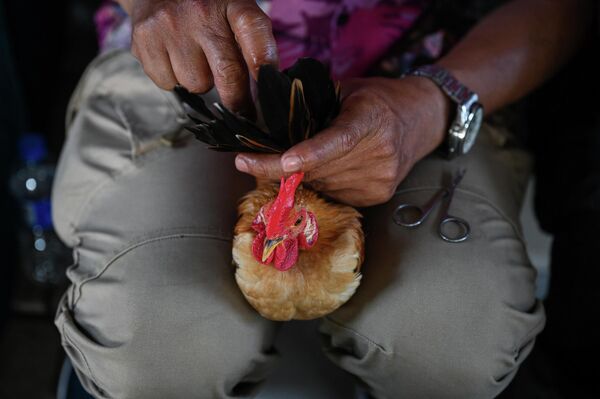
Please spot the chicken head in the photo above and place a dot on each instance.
(283, 227)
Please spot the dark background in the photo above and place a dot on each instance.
(44, 48)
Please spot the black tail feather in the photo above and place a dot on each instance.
(319, 89)
(300, 123)
(194, 101)
(296, 104)
(274, 97)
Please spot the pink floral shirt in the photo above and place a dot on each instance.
(348, 35)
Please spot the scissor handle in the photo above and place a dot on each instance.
(403, 210)
(464, 229)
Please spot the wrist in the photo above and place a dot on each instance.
(437, 110)
(468, 115)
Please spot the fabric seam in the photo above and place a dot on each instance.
(135, 246)
(87, 365)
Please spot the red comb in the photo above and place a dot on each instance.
(283, 204)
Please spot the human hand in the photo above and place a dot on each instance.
(201, 43)
(384, 127)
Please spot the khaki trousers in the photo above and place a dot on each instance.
(153, 310)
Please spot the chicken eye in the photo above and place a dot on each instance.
(298, 221)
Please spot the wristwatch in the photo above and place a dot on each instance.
(469, 112)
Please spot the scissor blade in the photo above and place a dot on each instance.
(458, 177)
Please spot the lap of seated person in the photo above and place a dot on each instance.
(153, 310)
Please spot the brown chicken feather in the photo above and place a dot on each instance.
(324, 277)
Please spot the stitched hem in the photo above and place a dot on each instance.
(137, 245)
(71, 343)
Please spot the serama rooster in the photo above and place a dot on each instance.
(297, 255)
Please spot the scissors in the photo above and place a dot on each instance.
(402, 214)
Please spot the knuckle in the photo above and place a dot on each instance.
(229, 72)
(201, 8)
(249, 17)
(216, 38)
(158, 78)
(348, 139)
(141, 32)
(254, 30)
(388, 175)
(165, 17)
(255, 21)
(163, 84)
(382, 119)
(198, 87)
(197, 84)
(388, 149)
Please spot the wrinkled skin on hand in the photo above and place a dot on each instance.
(201, 43)
(385, 126)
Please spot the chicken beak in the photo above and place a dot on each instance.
(270, 245)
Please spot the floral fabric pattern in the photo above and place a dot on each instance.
(350, 36)
(113, 27)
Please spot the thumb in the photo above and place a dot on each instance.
(328, 145)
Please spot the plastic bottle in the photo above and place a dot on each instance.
(43, 255)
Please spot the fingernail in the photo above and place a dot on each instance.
(291, 164)
(241, 164)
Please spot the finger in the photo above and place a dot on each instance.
(228, 69)
(262, 166)
(348, 163)
(156, 63)
(332, 143)
(370, 157)
(346, 179)
(356, 198)
(254, 33)
(191, 67)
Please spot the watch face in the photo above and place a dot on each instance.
(473, 126)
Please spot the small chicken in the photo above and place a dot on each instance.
(297, 255)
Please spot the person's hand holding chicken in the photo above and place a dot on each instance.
(384, 128)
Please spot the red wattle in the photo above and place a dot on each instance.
(286, 255)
